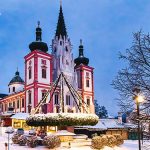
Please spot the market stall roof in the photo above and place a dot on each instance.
(20, 116)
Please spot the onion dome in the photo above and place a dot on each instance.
(81, 59)
(38, 44)
(16, 79)
(61, 27)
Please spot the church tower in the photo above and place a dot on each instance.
(63, 60)
(85, 80)
(38, 71)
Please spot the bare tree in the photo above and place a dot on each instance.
(136, 73)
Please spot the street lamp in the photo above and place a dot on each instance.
(138, 99)
(9, 130)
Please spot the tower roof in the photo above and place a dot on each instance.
(81, 59)
(61, 27)
(38, 44)
(16, 79)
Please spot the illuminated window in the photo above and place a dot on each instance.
(67, 99)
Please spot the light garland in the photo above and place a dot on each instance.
(62, 119)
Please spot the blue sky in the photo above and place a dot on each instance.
(105, 26)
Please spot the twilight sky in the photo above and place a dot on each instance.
(106, 27)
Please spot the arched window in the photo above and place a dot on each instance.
(13, 89)
(44, 73)
(88, 101)
(29, 97)
(22, 102)
(18, 103)
(87, 83)
(56, 99)
(30, 73)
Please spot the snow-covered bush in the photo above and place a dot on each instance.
(62, 119)
(52, 141)
(15, 138)
(98, 142)
(32, 141)
(119, 139)
(112, 141)
(22, 140)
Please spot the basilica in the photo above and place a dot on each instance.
(43, 68)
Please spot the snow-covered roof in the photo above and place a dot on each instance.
(99, 126)
(111, 123)
(21, 116)
(64, 133)
(105, 124)
(130, 125)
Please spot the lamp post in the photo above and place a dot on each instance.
(9, 130)
(138, 99)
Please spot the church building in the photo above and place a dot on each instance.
(43, 68)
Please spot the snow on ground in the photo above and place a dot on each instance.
(77, 145)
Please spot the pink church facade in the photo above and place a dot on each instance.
(41, 70)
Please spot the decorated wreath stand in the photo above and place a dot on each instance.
(62, 119)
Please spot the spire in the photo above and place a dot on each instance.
(38, 32)
(61, 27)
(17, 72)
(38, 44)
(81, 59)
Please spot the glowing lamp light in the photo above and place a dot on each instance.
(140, 98)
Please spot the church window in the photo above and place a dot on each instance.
(5, 106)
(29, 97)
(13, 104)
(60, 42)
(17, 103)
(55, 49)
(30, 73)
(43, 95)
(66, 49)
(87, 74)
(9, 90)
(79, 79)
(43, 62)
(10, 104)
(56, 99)
(88, 101)
(22, 102)
(87, 83)
(67, 63)
(13, 89)
(67, 99)
(44, 73)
